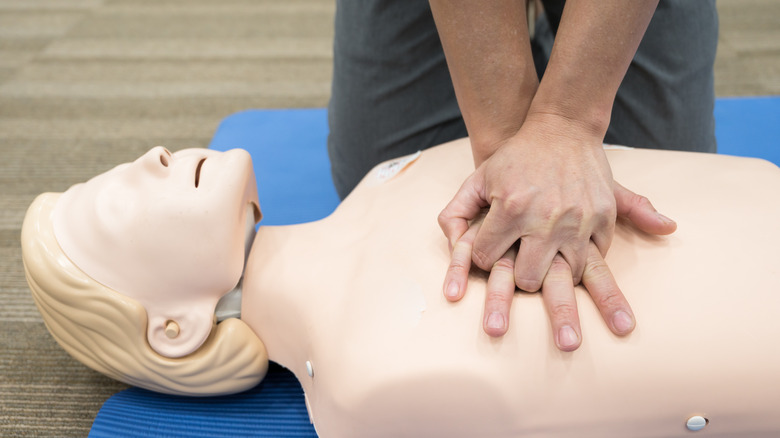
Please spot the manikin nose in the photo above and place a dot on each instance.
(156, 159)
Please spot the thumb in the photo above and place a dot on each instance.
(464, 207)
(641, 212)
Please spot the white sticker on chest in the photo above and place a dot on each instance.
(393, 168)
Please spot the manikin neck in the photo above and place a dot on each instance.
(275, 297)
(229, 306)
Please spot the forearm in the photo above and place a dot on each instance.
(593, 49)
(489, 57)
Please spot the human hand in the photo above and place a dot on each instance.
(549, 187)
(557, 287)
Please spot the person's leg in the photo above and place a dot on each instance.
(667, 98)
(392, 94)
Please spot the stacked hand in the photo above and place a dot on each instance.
(551, 209)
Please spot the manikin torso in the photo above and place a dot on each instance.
(353, 305)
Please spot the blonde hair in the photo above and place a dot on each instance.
(106, 330)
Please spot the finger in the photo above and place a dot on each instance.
(575, 253)
(498, 299)
(604, 291)
(603, 229)
(457, 276)
(465, 206)
(603, 238)
(641, 212)
(533, 261)
(561, 304)
(497, 234)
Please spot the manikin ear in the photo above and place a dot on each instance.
(178, 332)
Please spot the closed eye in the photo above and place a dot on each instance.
(197, 172)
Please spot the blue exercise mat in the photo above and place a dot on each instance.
(290, 158)
(273, 409)
(749, 127)
(294, 186)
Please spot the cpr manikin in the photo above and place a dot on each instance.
(353, 304)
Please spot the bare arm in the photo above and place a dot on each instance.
(489, 57)
(593, 49)
(541, 169)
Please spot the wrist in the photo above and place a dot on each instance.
(489, 130)
(585, 122)
(576, 98)
(556, 125)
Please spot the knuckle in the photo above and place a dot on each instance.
(609, 300)
(497, 299)
(577, 213)
(458, 266)
(443, 220)
(563, 311)
(463, 246)
(481, 259)
(553, 212)
(515, 203)
(504, 264)
(637, 202)
(605, 208)
(642, 201)
(596, 269)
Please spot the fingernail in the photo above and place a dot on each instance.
(495, 321)
(452, 290)
(665, 219)
(567, 337)
(622, 321)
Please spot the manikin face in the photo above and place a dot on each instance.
(167, 230)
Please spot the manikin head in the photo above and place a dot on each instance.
(158, 241)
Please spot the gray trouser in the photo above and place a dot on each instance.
(392, 94)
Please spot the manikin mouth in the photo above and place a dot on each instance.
(197, 171)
